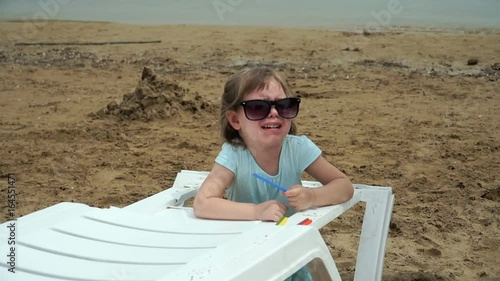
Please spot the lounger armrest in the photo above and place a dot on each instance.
(185, 186)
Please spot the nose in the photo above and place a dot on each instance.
(273, 112)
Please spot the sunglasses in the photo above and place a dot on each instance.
(259, 109)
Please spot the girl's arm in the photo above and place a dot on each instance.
(209, 203)
(336, 189)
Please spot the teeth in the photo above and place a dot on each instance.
(271, 126)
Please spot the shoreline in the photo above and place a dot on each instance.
(352, 28)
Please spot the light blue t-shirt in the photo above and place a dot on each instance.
(297, 153)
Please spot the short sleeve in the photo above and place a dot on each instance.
(227, 157)
(306, 152)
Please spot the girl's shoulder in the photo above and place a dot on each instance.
(231, 150)
(301, 142)
(295, 139)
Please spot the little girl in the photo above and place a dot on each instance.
(256, 119)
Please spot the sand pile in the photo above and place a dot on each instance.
(155, 98)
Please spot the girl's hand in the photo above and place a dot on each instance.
(271, 210)
(299, 197)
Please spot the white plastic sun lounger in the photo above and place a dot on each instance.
(159, 239)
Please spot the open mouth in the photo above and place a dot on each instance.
(271, 127)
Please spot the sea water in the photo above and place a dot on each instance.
(339, 14)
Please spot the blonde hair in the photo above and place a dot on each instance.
(237, 87)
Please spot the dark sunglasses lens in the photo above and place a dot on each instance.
(256, 109)
(288, 108)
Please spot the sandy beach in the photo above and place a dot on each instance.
(414, 110)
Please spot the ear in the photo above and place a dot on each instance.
(233, 119)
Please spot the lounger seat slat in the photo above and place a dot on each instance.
(94, 230)
(73, 246)
(177, 222)
(52, 266)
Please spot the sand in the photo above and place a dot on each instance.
(407, 109)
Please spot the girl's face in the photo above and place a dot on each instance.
(267, 132)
